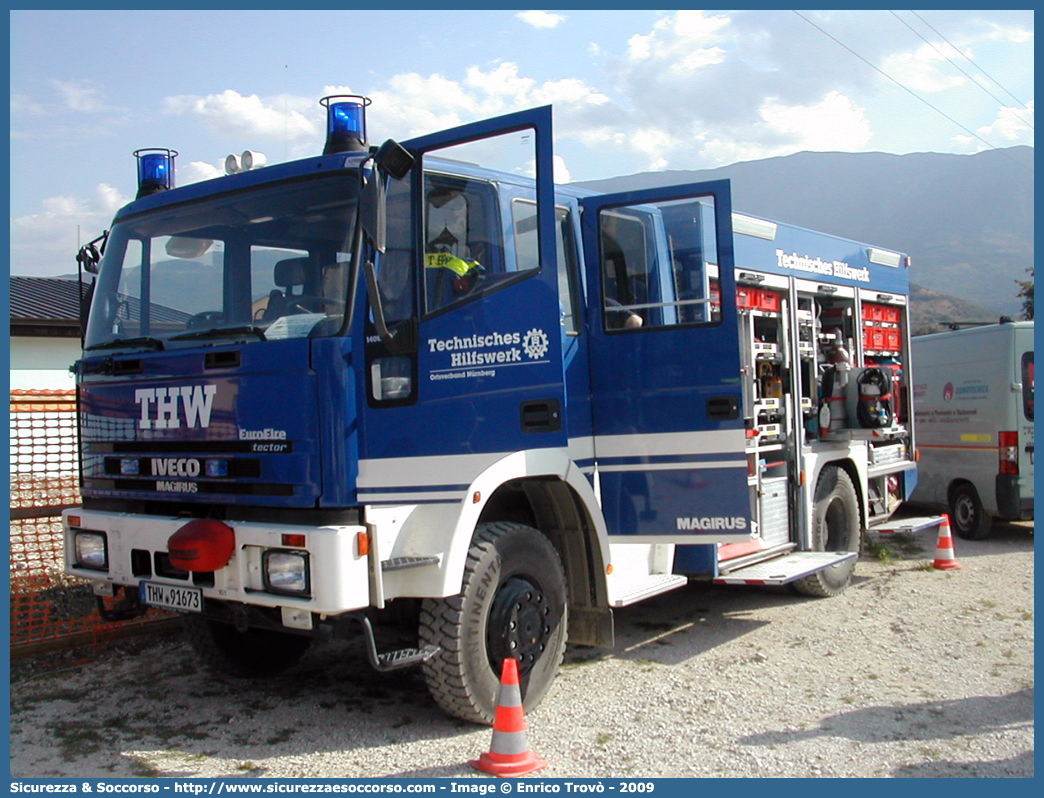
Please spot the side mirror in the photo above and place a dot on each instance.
(372, 212)
(88, 257)
(90, 253)
(393, 159)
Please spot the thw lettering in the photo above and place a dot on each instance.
(159, 406)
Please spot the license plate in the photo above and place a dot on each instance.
(172, 597)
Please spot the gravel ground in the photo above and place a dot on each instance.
(912, 672)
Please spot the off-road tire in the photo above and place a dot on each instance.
(513, 603)
(255, 653)
(968, 519)
(836, 526)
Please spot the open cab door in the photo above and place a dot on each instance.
(470, 262)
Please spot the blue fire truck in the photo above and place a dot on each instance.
(384, 382)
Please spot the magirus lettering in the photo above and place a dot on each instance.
(176, 487)
(159, 406)
(735, 523)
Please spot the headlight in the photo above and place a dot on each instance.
(91, 551)
(286, 572)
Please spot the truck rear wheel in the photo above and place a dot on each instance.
(513, 604)
(253, 653)
(836, 526)
(967, 516)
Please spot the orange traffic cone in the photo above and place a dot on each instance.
(509, 756)
(944, 560)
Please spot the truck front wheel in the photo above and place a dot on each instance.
(513, 604)
(836, 526)
(253, 653)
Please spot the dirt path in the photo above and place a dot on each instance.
(913, 672)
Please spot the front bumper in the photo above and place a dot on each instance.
(137, 551)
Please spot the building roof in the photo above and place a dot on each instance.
(51, 299)
(50, 306)
(45, 306)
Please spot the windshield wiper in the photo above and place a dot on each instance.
(220, 332)
(143, 340)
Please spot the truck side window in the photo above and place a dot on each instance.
(463, 242)
(524, 221)
(658, 263)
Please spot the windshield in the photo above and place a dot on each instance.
(259, 265)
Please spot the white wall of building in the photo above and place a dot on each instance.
(43, 363)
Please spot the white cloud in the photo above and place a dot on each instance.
(1010, 33)
(683, 37)
(1012, 126)
(541, 19)
(198, 171)
(561, 171)
(925, 69)
(23, 105)
(836, 123)
(45, 243)
(81, 95)
(232, 113)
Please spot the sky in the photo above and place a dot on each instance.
(631, 91)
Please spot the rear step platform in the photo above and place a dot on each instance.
(908, 525)
(785, 569)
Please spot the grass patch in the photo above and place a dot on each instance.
(900, 546)
(75, 739)
(282, 737)
(142, 769)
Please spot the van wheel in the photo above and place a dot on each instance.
(255, 653)
(513, 604)
(836, 526)
(967, 516)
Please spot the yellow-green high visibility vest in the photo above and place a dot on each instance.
(444, 260)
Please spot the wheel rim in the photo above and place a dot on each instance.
(518, 625)
(964, 512)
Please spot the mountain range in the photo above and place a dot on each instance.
(966, 220)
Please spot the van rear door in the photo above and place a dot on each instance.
(1024, 370)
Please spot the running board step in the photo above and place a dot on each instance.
(787, 568)
(634, 589)
(393, 660)
(402, 563)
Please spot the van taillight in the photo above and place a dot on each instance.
(1009, 452)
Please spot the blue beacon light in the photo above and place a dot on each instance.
(345, 123)
(155, 170)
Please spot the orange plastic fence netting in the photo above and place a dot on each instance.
(48, 608)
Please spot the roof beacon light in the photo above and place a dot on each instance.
(155, 170)
(345, 123)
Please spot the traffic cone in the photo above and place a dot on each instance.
(944, 560)
(509, 756)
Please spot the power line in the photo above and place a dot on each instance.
(973, 80)
(983, 71)
(910, 91)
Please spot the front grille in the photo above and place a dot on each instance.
(237, 469)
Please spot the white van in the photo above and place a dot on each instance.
(973, 422)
